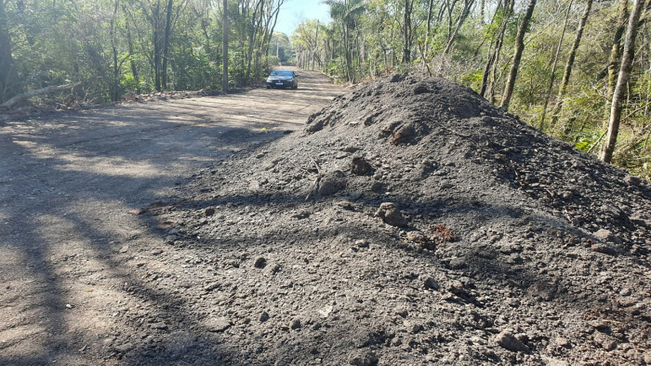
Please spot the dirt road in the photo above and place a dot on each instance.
(75, 259)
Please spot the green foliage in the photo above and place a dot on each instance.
(585, 141)
(473, 79)
(281, 49)
(116, 46)
(370, 40)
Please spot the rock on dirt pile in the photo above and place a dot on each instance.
(412, 223)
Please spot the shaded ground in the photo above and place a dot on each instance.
(75, 259)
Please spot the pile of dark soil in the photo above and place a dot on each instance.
(413, 223)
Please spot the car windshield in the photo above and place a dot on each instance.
(281, 73)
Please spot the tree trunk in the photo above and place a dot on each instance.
(462, 18)
(9, 81)
(482, 10)
(406, 32)
(622, 81)
(494, 56)
(570, 63)
(166, 42)
(256, 22)
(225, 46)
(115, 83)
(519, 48)
(430, 8)
(132, 63)
(346, 31)
(50, 89)
(554, 64)
(157, 50)
(316, 43)
(616, 52)
(271, 25)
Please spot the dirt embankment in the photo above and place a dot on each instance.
(413, 223)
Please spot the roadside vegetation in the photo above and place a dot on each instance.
(555, 63)
(118, 46)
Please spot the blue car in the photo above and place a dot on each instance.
(282, 79)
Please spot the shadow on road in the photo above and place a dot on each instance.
(75, 263)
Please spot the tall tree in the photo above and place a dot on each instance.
(9, 82)
(467, 5)
(504, 14)
(622, 81)
(407, 31)
(570, 63)
(548, 94)
(346, 13)
(519, 48)
(166, 42)
(225, 46)
(616, 51)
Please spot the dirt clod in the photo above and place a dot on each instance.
(509, 341)
(390, 214)
(363, 358)
(360, 166)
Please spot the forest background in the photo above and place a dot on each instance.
(576, 69)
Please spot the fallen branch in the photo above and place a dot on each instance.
(596, 142)
(640, 137)
(50, 89)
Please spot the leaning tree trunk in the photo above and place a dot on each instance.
(519, 48)
(496, 46)
(12, 102)
(462, 18)
(548, 94)
(616, 52)
(622, 80)
(9, 82)
(570, 64)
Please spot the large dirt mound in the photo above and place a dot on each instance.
(411, 223)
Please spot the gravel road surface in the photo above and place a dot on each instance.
(70, 189)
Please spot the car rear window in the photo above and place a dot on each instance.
(281, 73)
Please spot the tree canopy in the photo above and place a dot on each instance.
(117, 46)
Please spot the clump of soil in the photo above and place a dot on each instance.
(412, 223)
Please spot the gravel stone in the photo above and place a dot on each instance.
(390, 214)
